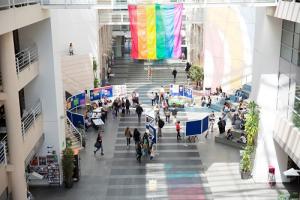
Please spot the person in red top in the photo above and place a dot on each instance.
(178, 130)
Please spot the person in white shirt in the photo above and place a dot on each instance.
(242, 139)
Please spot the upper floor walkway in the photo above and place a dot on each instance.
(122, 4)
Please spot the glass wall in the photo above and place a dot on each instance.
(288, 99)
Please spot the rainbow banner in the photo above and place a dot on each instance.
(155, 31)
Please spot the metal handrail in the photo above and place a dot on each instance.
(26, 57)
(16, 3)
(31, 117)
(123, 4)
(74, 131)
(3, 151)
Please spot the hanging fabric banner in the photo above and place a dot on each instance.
(155, 31)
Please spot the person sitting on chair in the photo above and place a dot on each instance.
(229, 135)
(242, 139)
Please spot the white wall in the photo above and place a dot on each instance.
(78, 26)
(264, 92)
(228, 46)
(47, 86)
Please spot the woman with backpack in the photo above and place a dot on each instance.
(99, 144)
(161, 124)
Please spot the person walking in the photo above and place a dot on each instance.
(161, 124)
(128, 136)
(139, 110)
(136, 136)
(211, 122)
(153, 96)
(139, 152)
(71, 51)
(161, 94)
(156, 98)
(127, 105)
(221, 125)
(99, 144)
(167, 114)
(174, 73)
(177, 126)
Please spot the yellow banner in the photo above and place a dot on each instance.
(151, 31)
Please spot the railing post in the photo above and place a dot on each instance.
(5, 156)
(23, 129)
(29, 59)
(18, 68)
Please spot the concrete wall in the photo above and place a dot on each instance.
(78, 26)
(12, 19)
(228, 46)
(264, 92)
(47, 86)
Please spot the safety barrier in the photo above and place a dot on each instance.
(3, 151)
(31, 117)
(25, 57)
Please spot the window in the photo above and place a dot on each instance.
(288, 25)
(296, 57)
(286, 53)
(287, 38)
(296, 42)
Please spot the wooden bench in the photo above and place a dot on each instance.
(233, 143)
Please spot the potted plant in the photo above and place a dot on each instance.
(68, 166)
(95, 66)
(196, 74)
(252, 123)
(246, 163)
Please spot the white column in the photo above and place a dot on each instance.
(12, 114)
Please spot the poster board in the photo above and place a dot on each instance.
(181, 90)
(193, 128)
(98, 93)
(196, 127)
(119, 90)
(76, 100)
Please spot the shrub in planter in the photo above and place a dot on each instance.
(246, 165)
(68, 166)
(252, 123)
(196, 73)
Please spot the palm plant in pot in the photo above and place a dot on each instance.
(68, 166)
(95, 66)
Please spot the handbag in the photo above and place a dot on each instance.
(97, 144)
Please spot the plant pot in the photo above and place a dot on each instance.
(69, 182)
(245, 175)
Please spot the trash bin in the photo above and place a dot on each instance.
(271, 177)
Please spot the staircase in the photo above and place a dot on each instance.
(73, 134)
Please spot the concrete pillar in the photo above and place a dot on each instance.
(13, 118)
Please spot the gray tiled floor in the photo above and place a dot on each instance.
(195, 171)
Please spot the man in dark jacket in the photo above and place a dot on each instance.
(174, 72)
(136, 136)
(139, 111)
(221, 125)
(161, 124)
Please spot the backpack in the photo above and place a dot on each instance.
(161, 123)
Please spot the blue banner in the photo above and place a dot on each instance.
(98, 93)
(188, 92)
(75, 101)
(152, 131)
(193, 128)
(76, 119)
(204, 124)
